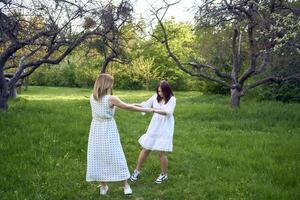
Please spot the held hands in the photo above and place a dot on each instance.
(153, 110)
(149, 110)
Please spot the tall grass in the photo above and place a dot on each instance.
(219, 153)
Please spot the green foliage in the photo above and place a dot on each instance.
(284, 63)
(125, 81)
(139, 74)
(64, 75)
(214, 88)
(213, 46)
(250, 153)
(149, 62)
(181, 42)
(85, 76)
(57, 75)
(288, 91)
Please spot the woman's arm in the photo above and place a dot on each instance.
(168, 109)
(138, 105)
(161, 112)
(115, 101)
(148, 103)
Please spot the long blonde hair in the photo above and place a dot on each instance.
(103, 85)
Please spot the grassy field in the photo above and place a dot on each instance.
(250, 153)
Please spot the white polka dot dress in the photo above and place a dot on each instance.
(105, 157)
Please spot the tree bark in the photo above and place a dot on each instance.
(3, 103)
(104, 65)
(13, 93)
(3, 94)
(106, 61)
(235, 98)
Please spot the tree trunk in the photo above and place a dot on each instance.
(3, 94)
(13, 93)
(106, 61)
(104, 64)
(235, 98)
(103, 68)
(26, 83)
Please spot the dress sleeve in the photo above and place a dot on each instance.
(149, 102)
(170, 107)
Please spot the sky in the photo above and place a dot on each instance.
(182, 11)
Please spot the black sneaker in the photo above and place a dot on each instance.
(134, 176)
(161, 178)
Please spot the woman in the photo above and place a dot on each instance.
(105, 157)
(159, 135)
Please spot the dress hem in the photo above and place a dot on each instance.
(107, 180)
(156, 149)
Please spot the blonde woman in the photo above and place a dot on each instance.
(106, 161)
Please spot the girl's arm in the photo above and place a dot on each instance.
(169, 109)
(161, 112)
(148, 103)
(115, 101)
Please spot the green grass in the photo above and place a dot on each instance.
(219, 153)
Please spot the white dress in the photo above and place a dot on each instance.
(105, 157)
(159, 135)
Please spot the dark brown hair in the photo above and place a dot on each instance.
(166, 90)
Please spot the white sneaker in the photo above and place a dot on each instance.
(127, 190)
(161, 178)
(134, 176)
(103, 190)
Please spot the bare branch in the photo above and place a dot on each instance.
(269, 80)
(265, 62)
(195, 65)
(212, 68)
(235, 53)
(252, 54)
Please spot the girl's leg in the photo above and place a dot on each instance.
(163, 162)
(142, 157)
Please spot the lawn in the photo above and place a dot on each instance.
(219, 153)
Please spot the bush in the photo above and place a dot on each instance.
(126, 81)
(288, 91)
(85, 76)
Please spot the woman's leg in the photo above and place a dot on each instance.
(103, 188)
(127, 189)
(163, 162)
(142, 157)
(103, 184)
(126, 185)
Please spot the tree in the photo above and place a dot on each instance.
(38, 32)
(114, 19)
(181, 39)
(263, 23)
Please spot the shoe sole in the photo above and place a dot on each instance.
(128, 193)
(133, 180)
(160, 182)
